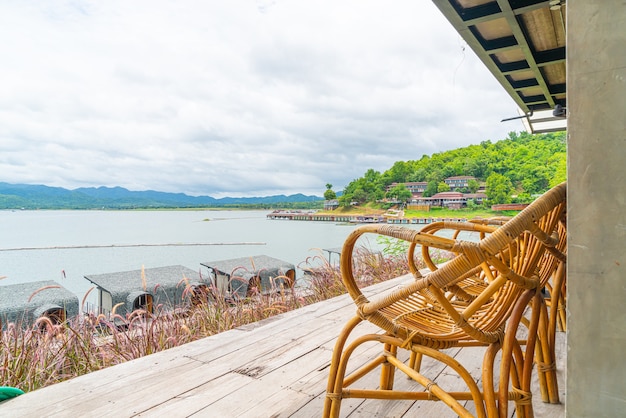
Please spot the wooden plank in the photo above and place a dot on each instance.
(263, 356)
(85, 395)
(247, 399)
(200, 399)
(274, 374)
(286, 378)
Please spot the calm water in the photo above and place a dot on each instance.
(234, 233)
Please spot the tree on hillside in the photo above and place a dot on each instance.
(442, 187)
(399, 193)
(368, 188)
(398, 173)
(473, 185)
(560, 172)
(498, 189)
(431, 189)
(359, 196)
(538, 181)
(531, 162)
(329, 194)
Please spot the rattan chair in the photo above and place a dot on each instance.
(427, 316)
(552, 279)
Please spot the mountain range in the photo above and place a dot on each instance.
(27, 196)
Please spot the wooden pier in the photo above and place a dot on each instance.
(356, 219)
(274, 368)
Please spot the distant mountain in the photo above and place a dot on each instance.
(26, 196)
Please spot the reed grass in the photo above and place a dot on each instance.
(32, 357)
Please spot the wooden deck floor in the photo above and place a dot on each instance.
(276, 368)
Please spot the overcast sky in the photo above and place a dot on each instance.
(234, 98)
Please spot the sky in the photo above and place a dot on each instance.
(234, 98)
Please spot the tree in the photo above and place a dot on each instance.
(560, 172)
(473, 185)
(400, 193)
(442, 187)
(498, 189)
(471, 204)
(329, 194)
(359, 196)
(345, 200)
(398, 172)
(431, 189)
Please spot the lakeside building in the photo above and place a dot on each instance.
(450, 200)
(331, 204)
(147, 288)
(238, 276)
(25, 303)
(459, 182)
(453, 199)
(417, 188)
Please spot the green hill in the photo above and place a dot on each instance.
(531, 163)
(28, 196)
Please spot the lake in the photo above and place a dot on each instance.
(30, 241)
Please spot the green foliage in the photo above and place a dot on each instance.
(473, 186)
(368, 188)
(392, 246)
(318, 204)
(560, 174)
(498, 189)
(532, 164)
(431, 188)
(442, 187)
(329, 194)
(399, 193)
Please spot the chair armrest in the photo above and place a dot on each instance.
(454, 228)
(412, 236)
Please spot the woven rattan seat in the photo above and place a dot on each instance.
(478, 298)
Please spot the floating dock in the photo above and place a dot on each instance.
(312, 216)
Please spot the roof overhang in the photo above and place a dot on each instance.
(522, 43)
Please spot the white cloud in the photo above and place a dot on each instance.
(234, 98)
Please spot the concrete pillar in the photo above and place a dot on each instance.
(596, 104)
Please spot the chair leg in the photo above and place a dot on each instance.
(332, 403)
(545, 355)
(519, 372)
(557, 303)
(488, 379)
(540, 360)
(387, 372)
(415, 361)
